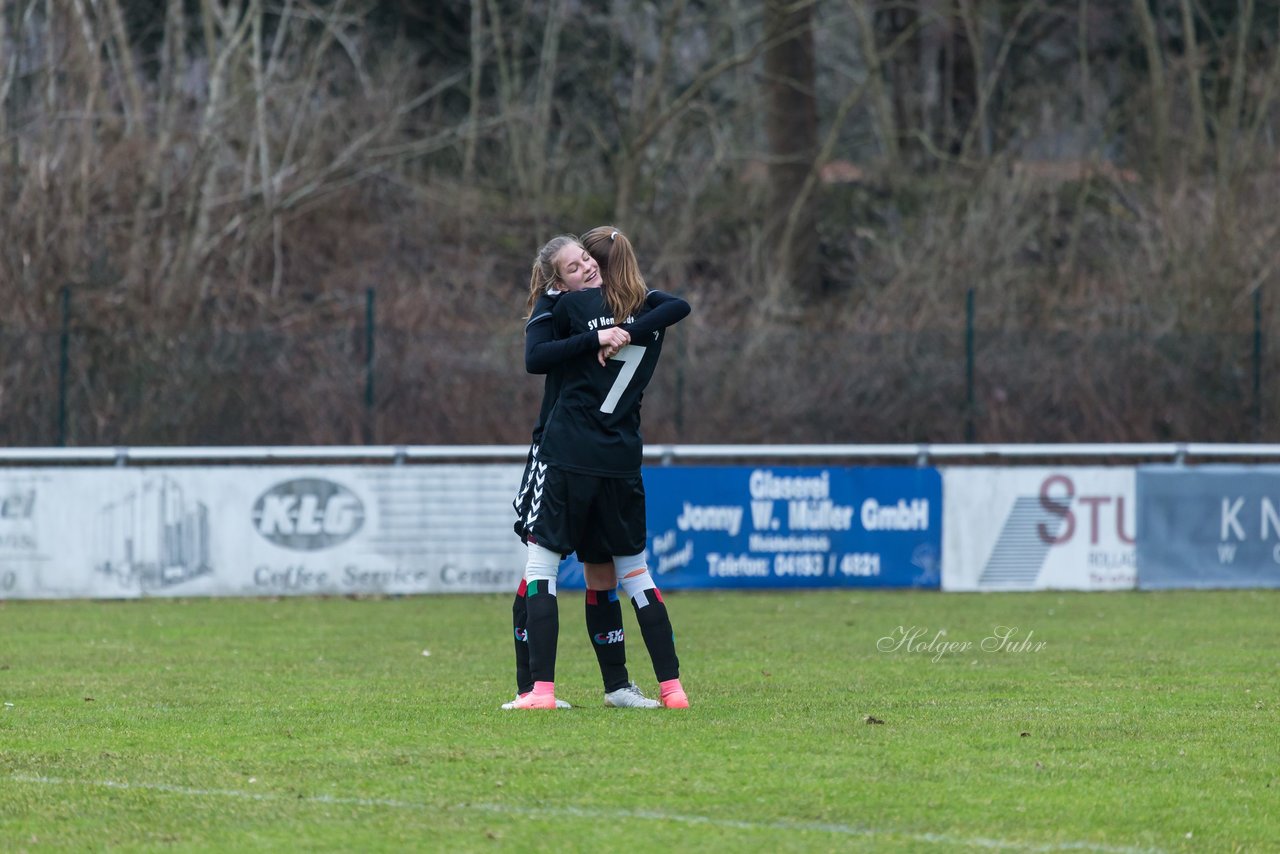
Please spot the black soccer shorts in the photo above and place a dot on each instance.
(597, 517)
(530, 484)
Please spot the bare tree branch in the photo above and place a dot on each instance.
(135, 109)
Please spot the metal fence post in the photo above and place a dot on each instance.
(1257, 364)
(369, 425)
(64, 365)
(969, 431)
(682, 353)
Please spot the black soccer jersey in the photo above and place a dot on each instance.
(594, 427)
(543, 354)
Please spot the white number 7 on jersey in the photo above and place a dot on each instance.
(630, 357)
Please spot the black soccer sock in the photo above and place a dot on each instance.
(659, 637)
(543, 627)
(604, 626)
(519, 622)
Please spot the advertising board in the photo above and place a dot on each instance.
(1069, 528)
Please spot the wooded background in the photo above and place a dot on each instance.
(210, 190)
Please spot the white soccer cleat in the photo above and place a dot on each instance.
(560, 704)
(630, 697)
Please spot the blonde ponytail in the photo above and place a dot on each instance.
(544, 274)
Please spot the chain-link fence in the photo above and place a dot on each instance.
(359, 378)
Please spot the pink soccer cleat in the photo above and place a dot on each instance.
(560, 704)
(543, 696)
(673, 695)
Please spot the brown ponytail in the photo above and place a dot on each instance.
(624, 287)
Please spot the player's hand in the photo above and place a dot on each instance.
(612, 340)
(614, 337)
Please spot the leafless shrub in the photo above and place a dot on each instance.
(220, 205)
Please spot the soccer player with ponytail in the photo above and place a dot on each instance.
(625, 291)
(589, 459)
(561, 265)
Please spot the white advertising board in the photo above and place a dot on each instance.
(255, 531)
(1069, 528)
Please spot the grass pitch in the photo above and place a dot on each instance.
(834, 720)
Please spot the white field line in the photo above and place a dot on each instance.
(834, 829)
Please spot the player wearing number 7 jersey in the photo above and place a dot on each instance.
(593, 496)
(594, 426)
(564, 265)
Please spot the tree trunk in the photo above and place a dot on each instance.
(984, 31)
(791, 132)
(881, 102)
(473, 90)
(1199, 136)
(933, 34)
(1159, 93)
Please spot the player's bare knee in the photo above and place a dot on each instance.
(600, 576)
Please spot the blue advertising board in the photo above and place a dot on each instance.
(1208, 526)
(775, 526)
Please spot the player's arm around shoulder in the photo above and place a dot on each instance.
(662, 310)
(675, 308)
(544, 348)
(539, 335)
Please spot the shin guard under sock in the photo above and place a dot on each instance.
(519, 622)
(659, 638)
(543, 628)
(604, 626)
